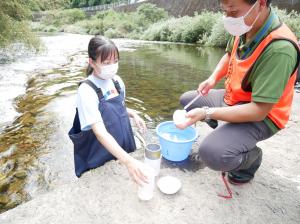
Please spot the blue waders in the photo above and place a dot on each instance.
(89, 153)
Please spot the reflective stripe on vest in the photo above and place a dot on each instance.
(239, 69)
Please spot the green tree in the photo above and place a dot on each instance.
(150, 13)
(13, 24)
(42, 5)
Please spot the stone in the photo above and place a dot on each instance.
(7, 167)
(4, 199)
(21, 174)
(8, 152)
(4, 185)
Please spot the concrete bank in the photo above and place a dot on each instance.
(106, 195)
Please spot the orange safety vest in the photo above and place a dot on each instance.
(239, 70)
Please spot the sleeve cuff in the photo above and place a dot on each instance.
(260, 99)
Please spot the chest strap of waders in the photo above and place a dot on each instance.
(98, 90)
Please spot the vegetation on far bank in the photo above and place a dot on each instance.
(43, 5)
(149, 23)
(109, 23)
(15, 17)
(86, 3)
(14, 26)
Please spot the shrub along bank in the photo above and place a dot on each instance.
(149, 23)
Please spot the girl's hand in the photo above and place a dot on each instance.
(197, 114)
(135, 169)
(140, 123)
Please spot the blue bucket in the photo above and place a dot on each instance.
(176, 144)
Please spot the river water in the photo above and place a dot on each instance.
(37, 104)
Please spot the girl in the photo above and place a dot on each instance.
(101, 129)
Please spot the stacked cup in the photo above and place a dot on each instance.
(146, 191)
(153, 157)
(152, 168)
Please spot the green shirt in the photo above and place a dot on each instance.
(273, 68)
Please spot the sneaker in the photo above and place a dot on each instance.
(244, 176)
(238, 178)
(212, 123)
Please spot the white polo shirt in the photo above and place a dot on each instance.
(88, 102)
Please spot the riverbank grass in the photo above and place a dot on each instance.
(149, 22)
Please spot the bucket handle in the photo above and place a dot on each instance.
(197, 138)
(139, 136)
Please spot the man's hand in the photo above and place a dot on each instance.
(206, 85)
(197, 114)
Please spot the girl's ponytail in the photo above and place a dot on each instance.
(89, 70)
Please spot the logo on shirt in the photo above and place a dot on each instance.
(110, 94)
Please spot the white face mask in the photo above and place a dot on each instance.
(108, 71)
(237, 26)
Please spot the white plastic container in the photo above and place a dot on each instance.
(145, 192)
(179, 117)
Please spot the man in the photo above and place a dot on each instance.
(260, 66)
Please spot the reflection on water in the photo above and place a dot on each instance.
(157, 74)
(35, 152)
